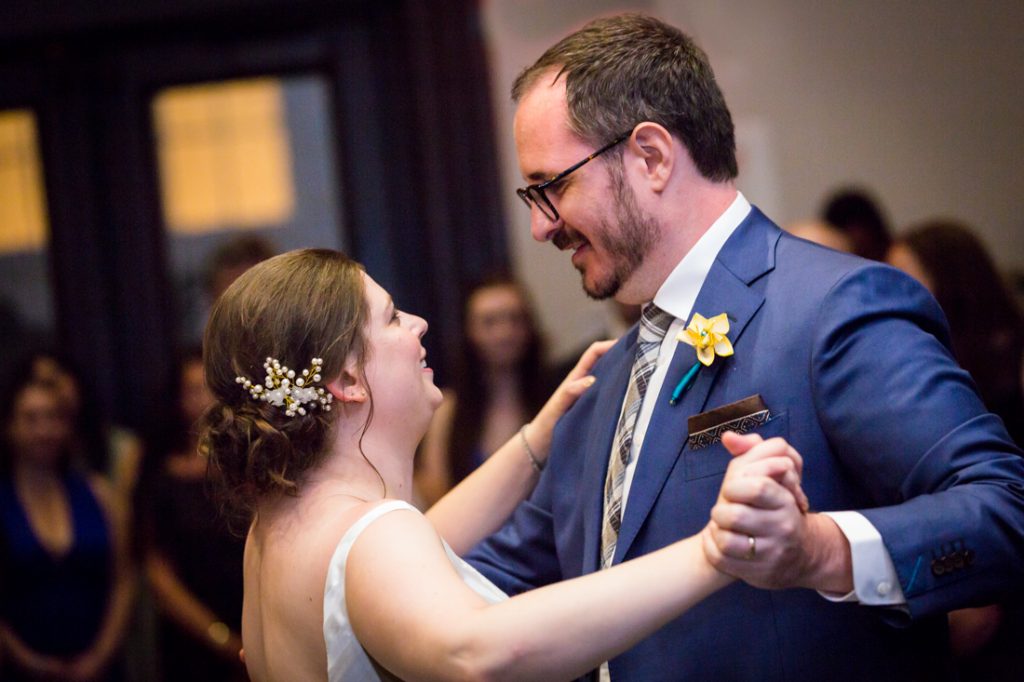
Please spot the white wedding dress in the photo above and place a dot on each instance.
(346, 659)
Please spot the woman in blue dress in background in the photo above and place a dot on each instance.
(65, 589)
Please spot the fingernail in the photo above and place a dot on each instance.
(590, 381)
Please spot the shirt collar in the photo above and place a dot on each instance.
(679, 291)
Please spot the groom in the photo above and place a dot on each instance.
(628, 147)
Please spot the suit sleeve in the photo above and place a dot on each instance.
(522, 554)
(946, 481)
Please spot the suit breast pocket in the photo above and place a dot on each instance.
(714, 459)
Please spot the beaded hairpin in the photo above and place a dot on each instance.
(282, 388)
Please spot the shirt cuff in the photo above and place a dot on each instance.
(875, 582)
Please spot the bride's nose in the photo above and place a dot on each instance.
(419, 325)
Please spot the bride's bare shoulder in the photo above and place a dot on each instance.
(288, 550)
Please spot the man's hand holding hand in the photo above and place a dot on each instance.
(760, 530)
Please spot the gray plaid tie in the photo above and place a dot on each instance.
(654, 322)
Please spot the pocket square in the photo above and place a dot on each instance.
(741, 416)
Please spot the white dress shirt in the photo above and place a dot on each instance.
(874, 576)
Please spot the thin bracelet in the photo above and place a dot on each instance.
(537, 466)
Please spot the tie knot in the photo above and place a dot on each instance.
(654, 323)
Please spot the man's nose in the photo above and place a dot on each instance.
(541, 227)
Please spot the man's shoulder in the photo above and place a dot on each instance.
(797, 255)
(815, 270)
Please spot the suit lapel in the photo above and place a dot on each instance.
(749, 253)
(598, 447)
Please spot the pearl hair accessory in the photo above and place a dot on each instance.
(281, 388)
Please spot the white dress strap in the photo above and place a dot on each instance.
(346, 659)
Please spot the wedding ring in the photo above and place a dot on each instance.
(751, 547)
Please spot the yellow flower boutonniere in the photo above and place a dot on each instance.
(708, 337)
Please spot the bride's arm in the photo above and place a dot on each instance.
(482, 502)
(415, 616)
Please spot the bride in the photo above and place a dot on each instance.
(323, 392)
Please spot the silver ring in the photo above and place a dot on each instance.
(751, 547)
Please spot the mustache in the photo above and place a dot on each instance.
(566, 238)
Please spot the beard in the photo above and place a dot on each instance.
(626, 241)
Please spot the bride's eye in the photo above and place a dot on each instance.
(395, 316)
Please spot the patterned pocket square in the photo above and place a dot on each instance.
(741, 416)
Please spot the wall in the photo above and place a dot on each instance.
(918, 101)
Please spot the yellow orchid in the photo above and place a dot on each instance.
(707, 337)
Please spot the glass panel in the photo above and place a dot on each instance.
(26, 299)
(246, 170)
(224, 156)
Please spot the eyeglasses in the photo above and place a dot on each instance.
(534, 195)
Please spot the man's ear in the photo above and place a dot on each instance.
(652, 143)
(348, 387)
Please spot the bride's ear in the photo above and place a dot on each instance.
(348, 387)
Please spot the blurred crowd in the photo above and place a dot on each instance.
(116, 563)
(987, 338)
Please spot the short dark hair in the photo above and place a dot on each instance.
(622, 70)
(244, 250)
(854, 211)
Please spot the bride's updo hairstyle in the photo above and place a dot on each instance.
(294, 307)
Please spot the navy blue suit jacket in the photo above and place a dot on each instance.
(853, 360)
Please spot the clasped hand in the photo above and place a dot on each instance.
(759, 529)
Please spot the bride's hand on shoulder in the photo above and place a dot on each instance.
(572, 387)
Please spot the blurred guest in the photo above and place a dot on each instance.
(229, 260)
(988, 341)
(820, 232)
(499, 383)
(987, 327)
(193, 561)
(110, 450)
(618, 318)
(116, 453)
(65, 588)
(854, 213)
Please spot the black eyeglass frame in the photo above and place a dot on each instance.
(534, 195)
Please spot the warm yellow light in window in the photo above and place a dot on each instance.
(224, 154)
(23, 224)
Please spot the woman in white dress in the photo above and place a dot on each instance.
(323, 393)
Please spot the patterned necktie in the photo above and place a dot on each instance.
(654, 322)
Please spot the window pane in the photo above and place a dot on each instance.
(26, 300)
(224, 156)
(246, 167)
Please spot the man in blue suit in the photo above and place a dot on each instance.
(917, 491)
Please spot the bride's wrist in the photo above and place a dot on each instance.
(710, 554)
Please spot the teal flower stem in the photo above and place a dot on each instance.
(684, 383)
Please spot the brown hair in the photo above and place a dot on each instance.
(623, 70)
(986, 326)
(469, 386)
(13, 386)
(293, 307)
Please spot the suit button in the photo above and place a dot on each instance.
(883, 589)
(937, 567)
